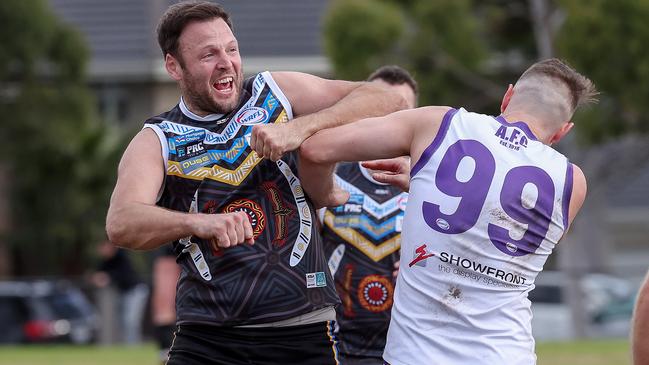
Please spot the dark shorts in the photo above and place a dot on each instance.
(346, 359)
(311, 344)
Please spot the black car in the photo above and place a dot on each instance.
(45, 311)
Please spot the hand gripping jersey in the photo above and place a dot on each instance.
(362, 240)
(212, 169)
(488, 203)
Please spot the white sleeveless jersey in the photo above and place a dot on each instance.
(488, 203)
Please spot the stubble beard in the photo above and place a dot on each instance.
(202, 100)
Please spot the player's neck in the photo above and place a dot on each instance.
(532, 122)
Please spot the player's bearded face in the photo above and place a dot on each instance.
(219, 93)
(211, 75)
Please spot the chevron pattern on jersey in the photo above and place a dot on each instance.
(221, 173)
(356, 239)
(378, 210)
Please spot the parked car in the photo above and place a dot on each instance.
(608, 305)
(45, 311)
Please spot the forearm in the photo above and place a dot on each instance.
(640, 340)
(139, 226)
(367, 100)
(317, 181)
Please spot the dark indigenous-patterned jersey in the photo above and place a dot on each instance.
(362, 240)
(212, 169)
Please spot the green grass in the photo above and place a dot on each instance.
(595, 352)
(78, 355)
(609, 352)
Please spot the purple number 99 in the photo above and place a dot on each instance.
(473, 194)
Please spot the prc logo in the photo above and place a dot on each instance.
(421, 256)
(375, 293)
(252, 115)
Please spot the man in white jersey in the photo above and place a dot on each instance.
(489, 200)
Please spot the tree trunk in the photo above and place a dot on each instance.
(5, 252)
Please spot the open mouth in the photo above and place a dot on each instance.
(224, 85)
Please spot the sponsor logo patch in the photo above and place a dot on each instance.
(420, 256)
(316, 279)
(251, 116)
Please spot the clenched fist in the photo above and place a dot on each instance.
(225, 229)
(272, 141)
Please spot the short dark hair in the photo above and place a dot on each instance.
(176, 18)
(394, 75)
(582, 90)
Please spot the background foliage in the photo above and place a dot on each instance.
(54, 147)
(465, 52)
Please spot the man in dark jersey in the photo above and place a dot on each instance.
(362, 239)
(216, 176)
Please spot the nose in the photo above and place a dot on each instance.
(223, 62)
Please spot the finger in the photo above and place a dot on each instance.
(238, 229)
(387, 165)
(384, 177)
(253, 138)
(247, 230)
(267, 150)
(223, 241)
(397, 264)
(276, 155)
(232, 233)
(215, 244)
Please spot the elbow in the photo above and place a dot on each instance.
(115, 230)
(311, 153)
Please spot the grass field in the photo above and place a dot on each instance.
(567, 353)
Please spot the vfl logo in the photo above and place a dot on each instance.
(252, 115)
(421, 255)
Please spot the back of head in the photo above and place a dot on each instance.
(551, 91)
(176, 18)
(399, 78)
(394, 75)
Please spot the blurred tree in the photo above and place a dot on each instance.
(60, 158)
(464, 52)
(357, 50)
(608, 41)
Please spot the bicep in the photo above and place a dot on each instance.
(309, 94)
(141, 170)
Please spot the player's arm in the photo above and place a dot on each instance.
(317, 104)
(640, 331)
(578, 196)
(407, 132)
(135, 222)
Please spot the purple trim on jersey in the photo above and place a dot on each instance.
(441, 133)
(521, 125)
(567, 194)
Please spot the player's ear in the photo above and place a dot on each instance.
(506, 98)
(173, 66)
(567, 126)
